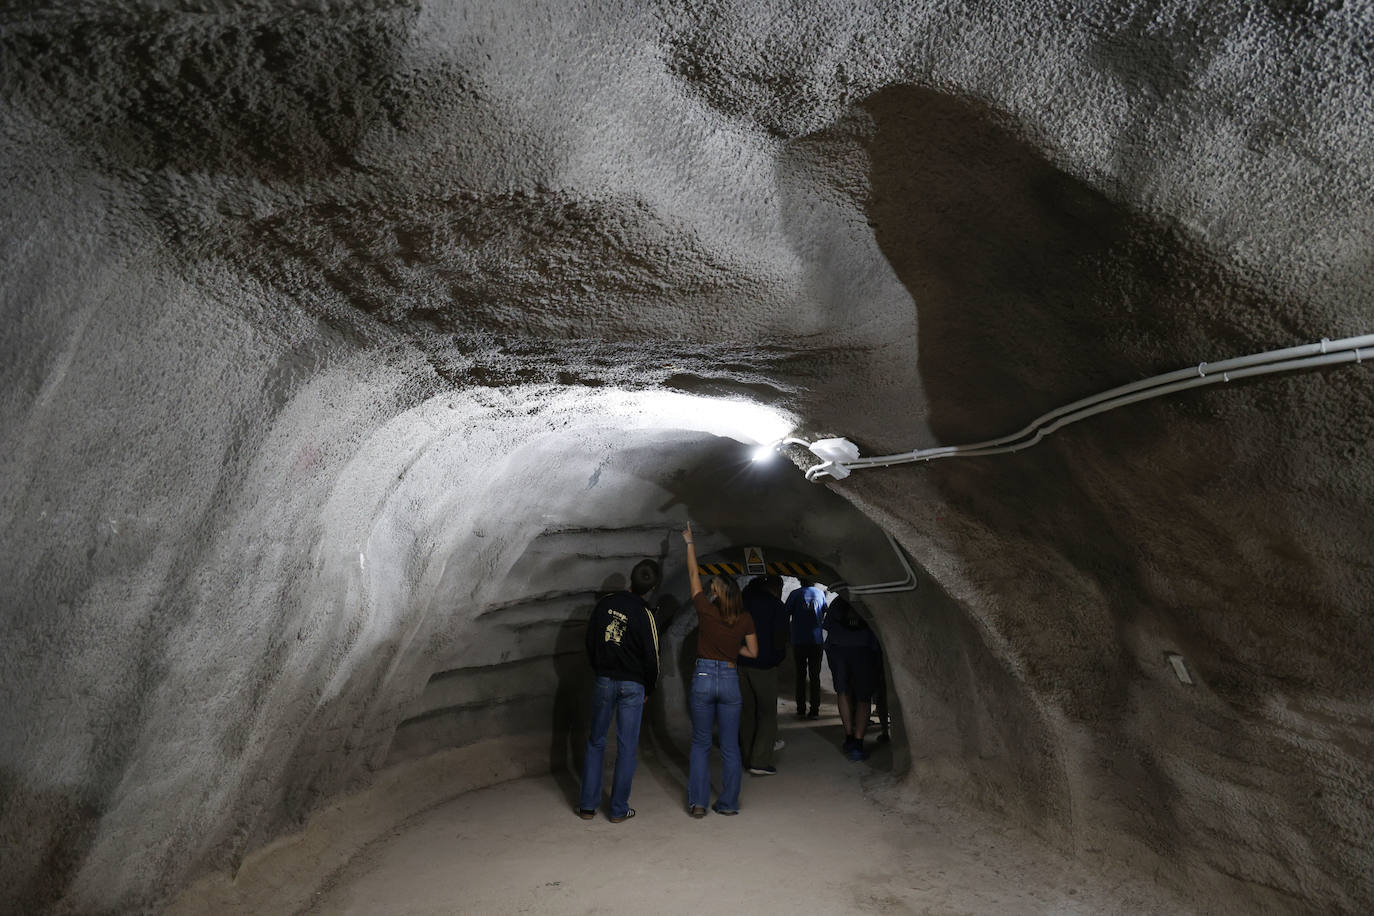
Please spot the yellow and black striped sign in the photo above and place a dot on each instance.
(737, 569)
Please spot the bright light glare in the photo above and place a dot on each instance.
(743, 421)
(764, 453)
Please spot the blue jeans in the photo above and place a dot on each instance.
(626, 700)
(715, 701)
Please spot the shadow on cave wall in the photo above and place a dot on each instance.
(1033, 289)
(43, 870)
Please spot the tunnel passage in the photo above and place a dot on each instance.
(844, 535)
(514, 663)
(311, 316)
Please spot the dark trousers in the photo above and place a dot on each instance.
(808, 659)
(880, 700)
(758, 727)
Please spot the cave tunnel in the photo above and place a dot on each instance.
(352, 350)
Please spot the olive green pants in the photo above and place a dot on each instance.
(758, 725)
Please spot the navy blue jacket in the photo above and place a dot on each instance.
(770, 626)
(622, 640)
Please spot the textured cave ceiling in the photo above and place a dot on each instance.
(335, 331)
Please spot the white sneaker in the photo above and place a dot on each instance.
(779, 744)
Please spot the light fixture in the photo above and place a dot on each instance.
(765, 453)
(832, 452)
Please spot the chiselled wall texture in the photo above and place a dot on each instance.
(347, 346)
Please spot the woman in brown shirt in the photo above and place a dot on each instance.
(726, 631)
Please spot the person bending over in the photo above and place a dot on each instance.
(805, 610)
(851, 648)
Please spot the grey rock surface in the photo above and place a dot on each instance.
(349, 349)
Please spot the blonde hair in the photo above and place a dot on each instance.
(726, 597)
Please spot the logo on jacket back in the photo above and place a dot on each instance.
(615, 630)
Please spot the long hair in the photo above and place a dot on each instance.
(725, 596)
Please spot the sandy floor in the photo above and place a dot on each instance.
(816, 838)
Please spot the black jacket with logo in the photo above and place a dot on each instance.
(622, 640)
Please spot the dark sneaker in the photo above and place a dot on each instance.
(763, 771)
(629, 813)
(814, 714)
(586, 813)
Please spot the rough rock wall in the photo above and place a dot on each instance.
(283, 288)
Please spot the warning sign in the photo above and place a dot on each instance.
(753, 561)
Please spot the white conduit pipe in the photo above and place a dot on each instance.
(1290, 359)
(883, 588)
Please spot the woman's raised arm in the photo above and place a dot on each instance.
(693, 576)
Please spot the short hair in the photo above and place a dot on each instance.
(773, 583)
(645, 577)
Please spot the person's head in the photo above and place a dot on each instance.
(724, 594)
(645, 577)
(773, 585)
(844, 612)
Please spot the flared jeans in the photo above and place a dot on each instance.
(715, 702)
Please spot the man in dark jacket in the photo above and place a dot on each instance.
(758, 677)
(622, 648)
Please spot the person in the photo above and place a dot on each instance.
(805, 610)
(880, 707)
(723, 625)
(851, 648)
(758, 677)
(622, 648)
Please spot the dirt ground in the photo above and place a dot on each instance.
(825, 835)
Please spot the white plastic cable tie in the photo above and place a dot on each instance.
(1358, 357)
(1325, 341)
(1200, 370)
(1226, 376)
